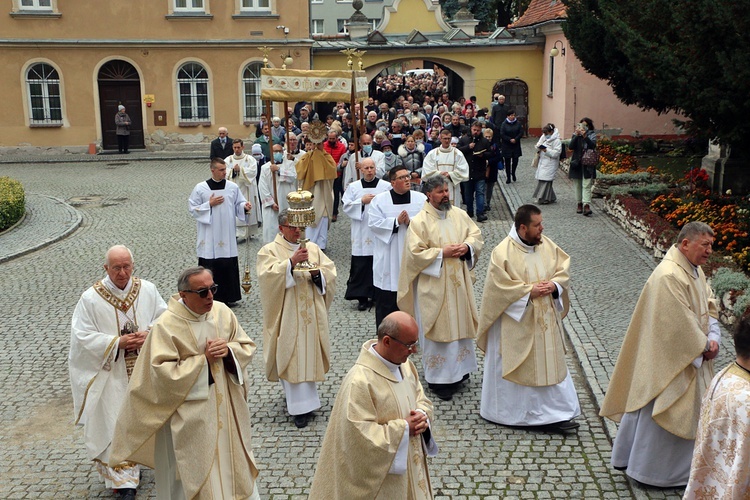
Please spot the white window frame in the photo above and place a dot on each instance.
(190, 6)
(322, 27)
(254, 7)
(46, 96)
(316, 1)
(257, 66)
(343, 29)
(375, 23)
(35, 5)
(193, 83)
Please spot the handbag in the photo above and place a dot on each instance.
(590, 158)
(535, 161)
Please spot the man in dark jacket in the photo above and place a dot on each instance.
(476, 150)
(499, 112)
(221, 147)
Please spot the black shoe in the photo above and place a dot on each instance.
(443, 391)
(508, 181)
(301, 420)
(514, 177)
(362, 306)
(567, 425)
(587, 210)
(481, 218)
(127, 493)
(232, 304)
(470, 215)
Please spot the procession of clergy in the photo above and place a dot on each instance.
(165, 386)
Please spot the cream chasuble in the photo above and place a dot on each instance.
(721, 461)
(245, 178)
(389, 244)
(216, 225)
(365, 432)
(532, 345)
(656, 359)
(296, 346)
(195, 434)
(97, 367)
(452, 161)
(286, 182)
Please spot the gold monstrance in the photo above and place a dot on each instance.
(301, 214)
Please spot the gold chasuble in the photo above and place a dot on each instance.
(316, 172)
(209, 425)
(364, 432)
(296, 346)
(446, 303)
(532, 349)
(668, 330)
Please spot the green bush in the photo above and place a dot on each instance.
(12, 202)
(742, 303)
(725, 280)
(626, 178)
(648, 191)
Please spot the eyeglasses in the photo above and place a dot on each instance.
(126, 268)
(402, 177)
(408, 346)
(203, 292)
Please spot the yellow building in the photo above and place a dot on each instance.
(182, 68)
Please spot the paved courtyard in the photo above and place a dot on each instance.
(78, 209)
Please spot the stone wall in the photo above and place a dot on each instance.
(637, 227)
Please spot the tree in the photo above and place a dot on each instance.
(490, 14)
(689, 57)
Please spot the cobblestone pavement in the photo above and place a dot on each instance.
(143, 205)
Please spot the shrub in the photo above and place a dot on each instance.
(725, 280)
(12, 202)
(648, 191)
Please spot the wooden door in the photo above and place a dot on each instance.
(119, 84)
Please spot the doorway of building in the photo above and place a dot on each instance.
(516, 94)
(119, 83)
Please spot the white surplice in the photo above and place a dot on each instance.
(350, 172)
(97, 367)
(449, 160)
(286, 182)
(389, 245)
(363, 240)
(245, 178)
(216, 225)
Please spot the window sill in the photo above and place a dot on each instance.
(549, 94)
(255, 15)
(45, 125)
(194, 124)
(30, 14)
(188, 16)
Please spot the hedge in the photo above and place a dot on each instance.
(12, 202)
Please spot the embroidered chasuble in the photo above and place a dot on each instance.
(296, 346)
(532, 348)
(721, 460)
(389, 235)
(452, 161)
(365, 432)
(193, 429)
(316, 172)
(656, 359)
(443, 286)
(97, 367)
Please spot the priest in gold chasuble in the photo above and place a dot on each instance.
(186, 412)
(379, 434)
(436, 286)
(526, 381)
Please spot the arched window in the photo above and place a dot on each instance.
(192, 86)
(251, 91)
(43, 85)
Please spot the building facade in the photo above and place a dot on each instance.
(329, 17)
(181, 68)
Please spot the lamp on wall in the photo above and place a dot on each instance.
(286, 59)
(554, 52)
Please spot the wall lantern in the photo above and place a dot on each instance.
(555, 51)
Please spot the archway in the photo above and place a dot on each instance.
(119, 83)
(403, 67)
(516, 94)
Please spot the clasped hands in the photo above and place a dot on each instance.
(542, 288)
(215, 349)
(713, 350)
(456, 250)
(132, 341)
(417, 422)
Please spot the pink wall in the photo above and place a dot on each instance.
(578, 94)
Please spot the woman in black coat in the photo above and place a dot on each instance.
(583, 177)
(511, 132)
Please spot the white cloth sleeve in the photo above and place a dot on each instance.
(199, 391)
(289, 275)
(517, 309)
(436, 268)
(238, 379)
(714, 332)
(558, 301)
(429, 445)
(402, 454)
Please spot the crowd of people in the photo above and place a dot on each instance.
(147, 393)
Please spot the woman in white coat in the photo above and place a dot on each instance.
(549, 148)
